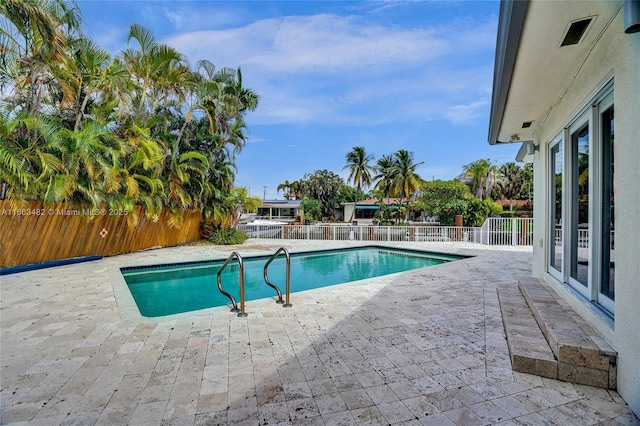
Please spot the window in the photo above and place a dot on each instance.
(366, 213)
(581, 202)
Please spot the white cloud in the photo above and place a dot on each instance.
(469, 113)
(346, 70)
(176, 18)
(319, 43)
(110, 37)
(251, 139)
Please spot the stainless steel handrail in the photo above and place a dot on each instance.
(288, 277)
(240, 311)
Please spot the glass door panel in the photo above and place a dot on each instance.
(607, 280)
(555, 252)
(580, 253)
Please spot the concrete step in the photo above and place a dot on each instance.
(528, 348)
(583, 356)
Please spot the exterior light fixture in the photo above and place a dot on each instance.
(631, 16)
(532, 148)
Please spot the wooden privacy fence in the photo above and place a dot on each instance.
(32, 233)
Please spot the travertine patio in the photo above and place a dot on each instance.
(422, 347)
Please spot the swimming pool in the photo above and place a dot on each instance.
(167, 289)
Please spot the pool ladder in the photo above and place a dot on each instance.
(240, 311)
(236, 255)
(284, 303)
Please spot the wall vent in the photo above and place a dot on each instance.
(575, 32)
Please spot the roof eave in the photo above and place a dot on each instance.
(510, 24)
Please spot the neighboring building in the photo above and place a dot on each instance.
(279, 209)
(562, 69)
(367, 209)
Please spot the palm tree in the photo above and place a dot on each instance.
(384, 178)
(244, 202)
(139, 128)
(406, 181)
(359, 171)
(82, 81)
(510, 181)
(131, 181)
(286, 188)
(158, 70)
(26, 157)
(226, 102)
(33, 36)
(480, 175)
(385, 173)
(184, 171)
(84, 157)
(492, 179)
(136, 170)
(297, 187)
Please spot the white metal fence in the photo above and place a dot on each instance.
(583, 237)
(495, 231)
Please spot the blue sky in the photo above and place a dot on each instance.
(331, 75)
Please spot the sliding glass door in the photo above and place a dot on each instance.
(581, 203)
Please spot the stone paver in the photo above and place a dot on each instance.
(418, 348)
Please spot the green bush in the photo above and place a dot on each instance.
(229, 236)
(312, 209)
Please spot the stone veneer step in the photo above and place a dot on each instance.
(582, 355)
(528, 348)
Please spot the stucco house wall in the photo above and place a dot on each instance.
(617, 56)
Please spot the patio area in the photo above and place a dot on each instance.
(417, 348)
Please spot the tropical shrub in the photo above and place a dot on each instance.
(312, 209)
(479, 210)
(81, 127)
(227, 236)
(445, 199)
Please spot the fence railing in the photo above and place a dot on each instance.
(495, 231)
(583, 237)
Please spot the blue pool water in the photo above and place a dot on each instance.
(175, 288)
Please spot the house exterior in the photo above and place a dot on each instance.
(567, 87)
(279, 209)
(365, 210)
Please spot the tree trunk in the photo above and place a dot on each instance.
(353, 213)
